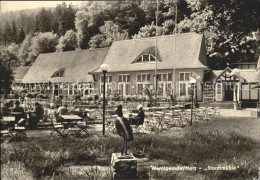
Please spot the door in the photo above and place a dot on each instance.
(124, 89)
(219, 92)
(56, 90)
(229, 91)
(165, 89)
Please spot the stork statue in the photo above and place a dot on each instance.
(123, 129)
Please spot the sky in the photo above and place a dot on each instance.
(6, 6)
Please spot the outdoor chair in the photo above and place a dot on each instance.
(18, 133)
(110, 125)
(4, 134)
(169, 120)
(216, 111)
(137, 126)
(58, 130)
(83, 127)
(74, 131)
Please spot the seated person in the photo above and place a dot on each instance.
(20, 116)
(139, 120)
(62, 110)
(36, 116)
(6, 110)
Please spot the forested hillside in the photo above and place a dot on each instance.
(231, 27)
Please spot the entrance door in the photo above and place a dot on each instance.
(229, 90)
(56, 90)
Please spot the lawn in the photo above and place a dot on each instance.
(219, 142)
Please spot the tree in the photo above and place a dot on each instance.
(7, 34)
(230, 30)
(64, 18)
(14, 33)
(109, 32)
(42, 22)
(21, 36)
(8, 62)
(68, 42)
(43, 43)
(129, 16)
(149, 31)
(25, 50)
(36, 24)
(88, 20)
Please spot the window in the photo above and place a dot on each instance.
(139, 78)
(108, 78)
(164, 77)
(59, 73)
(184, 84)
(248, 93)
(145, 58)
(124, 78)
(143, 78)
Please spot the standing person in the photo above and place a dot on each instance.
(20, 116)
(123, 129)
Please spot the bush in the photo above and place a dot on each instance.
(15, 171)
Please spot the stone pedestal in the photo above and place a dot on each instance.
(123, 167)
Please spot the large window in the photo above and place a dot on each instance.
(184, 83)
(248, 93)
(124, 84)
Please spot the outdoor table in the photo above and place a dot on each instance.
(179, 106)
(16, 113)
(71, 119)
(110, 111)
(7, 119)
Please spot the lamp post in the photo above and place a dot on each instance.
(192, 83)
(104, 69)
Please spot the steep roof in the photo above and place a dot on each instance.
(76, 64)
(190, 53)
(248, 75)
(20, 72)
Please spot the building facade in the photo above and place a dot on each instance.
(132, 65)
